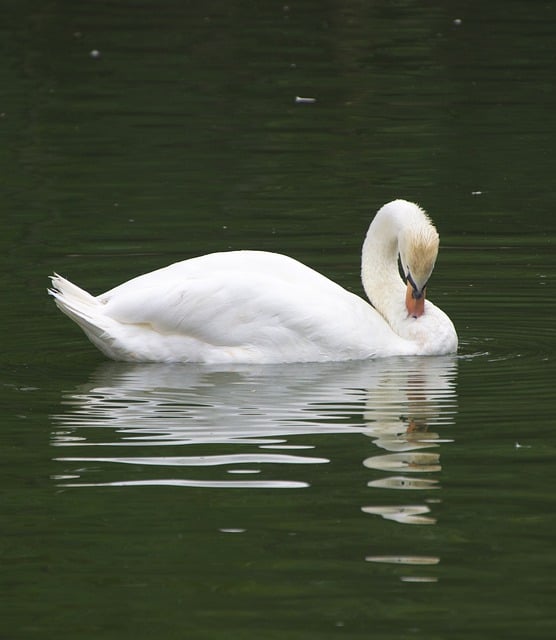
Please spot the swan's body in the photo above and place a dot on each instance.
(255, 306)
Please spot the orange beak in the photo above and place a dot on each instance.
(414, 302)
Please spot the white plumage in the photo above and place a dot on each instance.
(255, 306)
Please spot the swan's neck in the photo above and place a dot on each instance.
(402, 228)
(379, 265)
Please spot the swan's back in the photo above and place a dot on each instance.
(245, 264)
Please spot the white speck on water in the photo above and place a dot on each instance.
(300, 100)
(418, 579)
(458, 22)
(95, 53)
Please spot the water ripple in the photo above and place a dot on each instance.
(223, 418)
(205, 461)
(206, 484)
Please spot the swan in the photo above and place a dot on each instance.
(262, 307)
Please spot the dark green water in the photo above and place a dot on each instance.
(394, 499)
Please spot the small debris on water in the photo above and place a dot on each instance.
(300, 100)
(95, 53)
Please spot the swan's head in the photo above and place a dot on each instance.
(418, 248)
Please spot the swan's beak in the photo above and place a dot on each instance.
(415, 301)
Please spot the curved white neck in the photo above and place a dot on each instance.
(379, 264)
(402, 228)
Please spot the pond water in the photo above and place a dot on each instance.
(397, 498)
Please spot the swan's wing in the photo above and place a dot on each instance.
(243, 305)
(241, 298)
(220, 307)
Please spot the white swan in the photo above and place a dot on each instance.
(255, 306)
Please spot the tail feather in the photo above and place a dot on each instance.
(79, 305)
(65, 288)
(102, 330)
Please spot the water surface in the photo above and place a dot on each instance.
(393, 499)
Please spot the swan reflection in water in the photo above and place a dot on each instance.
(268, 413)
